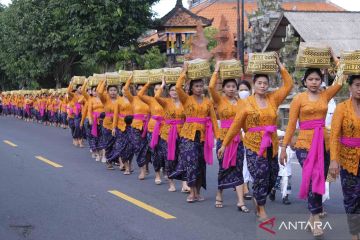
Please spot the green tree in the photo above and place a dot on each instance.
(153, 58)
(51, 39)
(18, 33)
(210, 33)
(128, 58)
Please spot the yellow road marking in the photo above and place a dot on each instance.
(10, 143)
(49, 162)
(142, 205)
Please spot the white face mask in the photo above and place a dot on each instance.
(244, 94)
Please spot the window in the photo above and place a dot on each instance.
(196, 2)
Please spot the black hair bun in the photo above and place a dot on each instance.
(102, 115)
(128, 119)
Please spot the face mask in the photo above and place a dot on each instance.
(244, 94)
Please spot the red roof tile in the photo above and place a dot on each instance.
(228, 9)
(216, 9)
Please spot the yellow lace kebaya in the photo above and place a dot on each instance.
(193, 109)
(252, 116)
(345, 123)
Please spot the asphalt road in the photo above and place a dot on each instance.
(39, 201)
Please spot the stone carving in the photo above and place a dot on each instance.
(199, 45)
(225, 48)
(262, 23)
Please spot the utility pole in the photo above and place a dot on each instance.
(240, 32)
(242, 35)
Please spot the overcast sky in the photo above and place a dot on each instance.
(164, 6)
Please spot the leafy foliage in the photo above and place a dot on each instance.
(129, 59)
(153, 58)
(210, 33)
(42, 40)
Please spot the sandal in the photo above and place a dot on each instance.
(172, 189)
(127, 172)
(247, 196)
(184, 190)
(323, 214)
(110, 167)
(243, 208)
(261, 219)
(218, 204)
(191, 199)
(200, 198)
(317, 233)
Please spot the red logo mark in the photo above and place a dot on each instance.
(271, 223)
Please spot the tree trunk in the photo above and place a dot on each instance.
(57, 83)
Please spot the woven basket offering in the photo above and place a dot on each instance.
(141, 76)
(262, 63)
(156, 75)
(112, 78)
(198, 69)
(78, 80)
(351, 61)
(96, 78)
(99, 76)
(313, 55)
(62, 90)
(44, 91)
(172, 74)
(230, 69)
(124, 75)
(94, 81)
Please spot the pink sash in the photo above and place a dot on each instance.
(313, 166)
(172, 137)
(209, 137)
(71, 111)
(77, 108)
(266, 138)
(42, 110)
(94, 127)
(350, 142)
(109, 115)
(56, 107)
(145, 119)
(27, 109)
(155, 135)
(230, 153)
